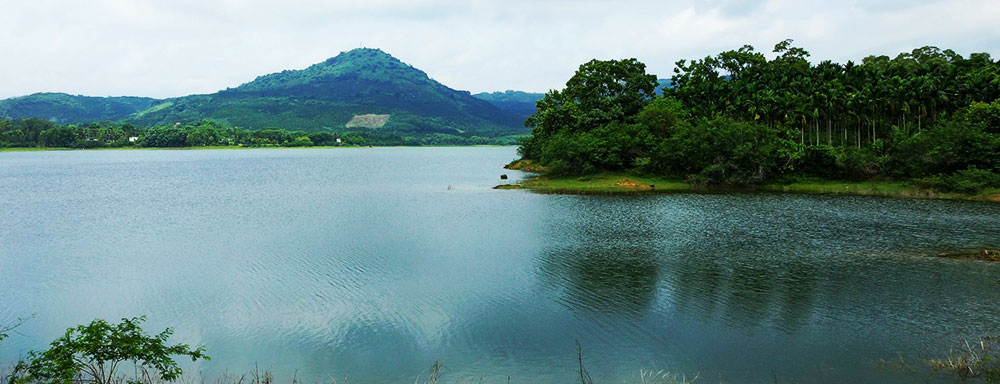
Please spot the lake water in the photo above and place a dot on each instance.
(373, 263)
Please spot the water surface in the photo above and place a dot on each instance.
(373, 263)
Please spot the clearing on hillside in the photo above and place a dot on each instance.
(367, 121)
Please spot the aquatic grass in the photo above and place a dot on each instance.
(663, 377)
(973, 360)
(435, 375)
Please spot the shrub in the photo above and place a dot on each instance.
(93, 352)
(973, 180)
(301, 141)
(860, 164)
(970, 181)
(819, 161)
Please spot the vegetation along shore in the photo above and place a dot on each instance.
(618, 183)
(925, 123)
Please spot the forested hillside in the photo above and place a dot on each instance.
(329, 94)
(69, 109)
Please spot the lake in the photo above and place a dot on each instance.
(373, 263)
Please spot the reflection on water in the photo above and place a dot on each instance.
(616, 260)
(362, 263)
(610, 266)
(736, 282)
(615, 281)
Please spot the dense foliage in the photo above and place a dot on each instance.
(43, 133)
(739, 118)
(94, 353)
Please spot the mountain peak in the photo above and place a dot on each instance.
(361, 56)
(368, 64)
(363, 53)
(364, 59)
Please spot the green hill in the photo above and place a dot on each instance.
(62, 108)
(520, 103)
(331, 94)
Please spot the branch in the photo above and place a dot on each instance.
(20, 321)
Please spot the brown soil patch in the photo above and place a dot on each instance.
(632, 185)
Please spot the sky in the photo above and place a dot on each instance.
(169, 48)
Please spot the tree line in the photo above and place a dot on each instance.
(928, 115)
(44, 133)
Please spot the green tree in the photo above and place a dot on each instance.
(96, 351)
(32, 128)
(301, 141)
(14, 137)
(203, 135)
(985, 115)
(271, 136)
(600, 93)
(109, 134)
(164, 137)
(57, 137)
(322, 138)
(661, 115)
(610, 91)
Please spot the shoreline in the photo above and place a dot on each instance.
(230, 147)
(625, 184)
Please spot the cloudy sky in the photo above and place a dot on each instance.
(166, 48)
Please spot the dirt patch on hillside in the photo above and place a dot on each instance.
(367, 121)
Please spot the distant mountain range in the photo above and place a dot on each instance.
(520, 103)
(361, 89)
(365, 87)
(68, 109)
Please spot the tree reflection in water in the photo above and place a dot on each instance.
(599, 280)
(702, 265)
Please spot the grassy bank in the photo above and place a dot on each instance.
(622, 183)
(617, 183)
(606, 183)
(32, 149)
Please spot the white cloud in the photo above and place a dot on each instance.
(172, 48)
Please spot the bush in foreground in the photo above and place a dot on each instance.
(92, 354)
